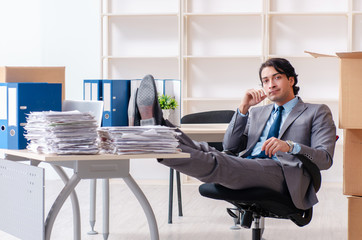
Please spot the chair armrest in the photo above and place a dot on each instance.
(313, 170)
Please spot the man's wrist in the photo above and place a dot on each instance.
(243, 109)
(240, 113)
(294, 148)
(291, 145)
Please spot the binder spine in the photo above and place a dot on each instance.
(92, 89)
(116, 94)
(3, 115)
(24, 98)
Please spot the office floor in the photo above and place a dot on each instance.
(203, 218)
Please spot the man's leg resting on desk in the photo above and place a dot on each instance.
(206, 163)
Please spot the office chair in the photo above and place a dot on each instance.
(220, 116)
(254, 204)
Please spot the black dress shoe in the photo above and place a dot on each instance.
(136, 114)
(147, 102)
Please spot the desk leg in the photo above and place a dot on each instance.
(92, 207)
(74, 200)
(105, 208)
(57, 205)
(152, 224)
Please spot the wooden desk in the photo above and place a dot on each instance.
(92, 167)
(205, 132)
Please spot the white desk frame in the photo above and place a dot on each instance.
(199, 132)
(91, 167)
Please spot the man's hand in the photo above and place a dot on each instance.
(272, 145)
(251, 98)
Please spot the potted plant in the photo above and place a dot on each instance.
(167, 104)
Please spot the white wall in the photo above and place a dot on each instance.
(52, 33)
(20, 41)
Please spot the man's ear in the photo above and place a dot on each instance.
(291, 80)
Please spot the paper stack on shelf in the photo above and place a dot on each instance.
(70, 132)
(138, 139)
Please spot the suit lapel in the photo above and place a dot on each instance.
(258, 123)
(294, 114)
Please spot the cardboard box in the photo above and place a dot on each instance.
(350, 88)
(34, 74)
(352, 162)
(354, 218)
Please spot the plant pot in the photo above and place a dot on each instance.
(166, 113)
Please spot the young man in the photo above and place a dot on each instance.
(263, 139)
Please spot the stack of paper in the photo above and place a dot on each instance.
(138, 139)
(69, 132)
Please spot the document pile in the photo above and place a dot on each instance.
(70, 132)
(138, 140)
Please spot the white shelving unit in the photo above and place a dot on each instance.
(140, 37)
(216, 47)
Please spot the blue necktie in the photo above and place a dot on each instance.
(273, 131)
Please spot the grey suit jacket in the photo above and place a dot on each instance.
(309, 125)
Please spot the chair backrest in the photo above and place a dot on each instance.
(93, 107)
(219, 116)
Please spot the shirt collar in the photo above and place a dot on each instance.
(289, 105)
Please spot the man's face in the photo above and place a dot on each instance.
(277, 86)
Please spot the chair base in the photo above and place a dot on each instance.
(255, 203)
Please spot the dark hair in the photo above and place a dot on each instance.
(282, 66)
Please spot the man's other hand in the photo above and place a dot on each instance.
(272, 145)
(252, 97)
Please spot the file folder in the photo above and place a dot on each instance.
(3, 115)
(21, 99)
(116, 95)
(92, 90)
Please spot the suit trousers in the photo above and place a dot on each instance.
(212, 166)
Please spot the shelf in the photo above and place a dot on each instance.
(308, 13)
(320, 100)
(139, 57)
(306, 55)
(189, 99)
(225, 14)
(223, 56)
(307, 100)
(139, 14)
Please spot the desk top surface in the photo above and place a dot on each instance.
(217, 128)
(58, 158)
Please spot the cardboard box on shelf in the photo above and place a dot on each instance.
(354, 218)
(350, 88)
(34, 74)
(352, 162)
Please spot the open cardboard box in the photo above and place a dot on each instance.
(352, 162)
(350, 88)
(34, 74)
(354, 218)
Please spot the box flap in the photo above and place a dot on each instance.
(316, 55)
(349, 54)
